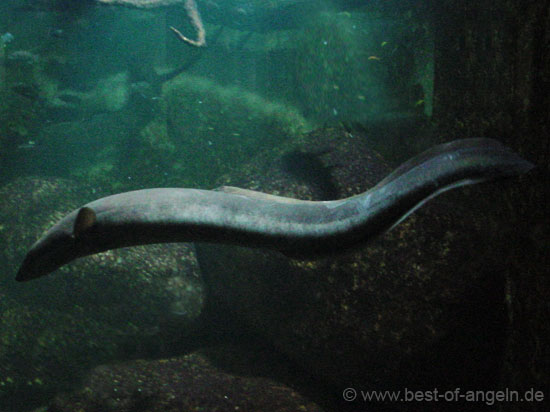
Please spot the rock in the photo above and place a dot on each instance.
(418, 306)
(215, 125)
(119, 305)
(89, 148)
(188, 383)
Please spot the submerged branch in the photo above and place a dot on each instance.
(190, 7)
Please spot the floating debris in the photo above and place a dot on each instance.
(7, 37)
(31, 144)
(23, 56)
(57, 33)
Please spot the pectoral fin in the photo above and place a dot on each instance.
(85, 219)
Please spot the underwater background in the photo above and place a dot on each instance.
(315, 100)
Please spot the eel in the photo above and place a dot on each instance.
(297, 228)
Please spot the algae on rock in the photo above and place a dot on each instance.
(210, 129)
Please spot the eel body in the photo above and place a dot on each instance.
(243, 217)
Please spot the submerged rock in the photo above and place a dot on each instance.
(219, 126)
(418, 307)
(117, 305)
(188, 383)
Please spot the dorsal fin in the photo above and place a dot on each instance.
(252, 194)
(85, 219)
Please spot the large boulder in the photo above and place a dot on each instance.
(187, 383)
(417, 307)
(205, 129)
(116, 305)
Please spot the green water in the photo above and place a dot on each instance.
(84, 92)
